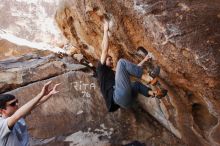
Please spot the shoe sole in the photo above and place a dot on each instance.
(142, 52)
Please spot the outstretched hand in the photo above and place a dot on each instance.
(45, 93)
(48, 92)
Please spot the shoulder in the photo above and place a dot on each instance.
(4, 127)
(100, 66)
(2, 120)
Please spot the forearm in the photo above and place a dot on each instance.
(105, 41)
(104, 46)
(42, 100)
(47, 96)
(36, 105)
(24, 110)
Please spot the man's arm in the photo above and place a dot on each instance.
(30, 105)
(45, 98)
(104, 43)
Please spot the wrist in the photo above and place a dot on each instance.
(40, 95)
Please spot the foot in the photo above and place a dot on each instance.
(160, 93)
(155, 72)
(154, 81)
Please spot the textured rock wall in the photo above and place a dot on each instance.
(183, 37)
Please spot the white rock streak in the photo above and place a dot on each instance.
(24, 42)
(32, 20)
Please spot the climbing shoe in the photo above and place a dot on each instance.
(154, 81)
(155, 72)
(160, 93)
(142, 51)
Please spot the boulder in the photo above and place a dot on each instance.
(78, 116)
(182, 39)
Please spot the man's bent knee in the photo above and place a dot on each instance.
(121, 61)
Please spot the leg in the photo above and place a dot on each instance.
(123, 89)
(130, 67)
(138, 87)
(135, 70)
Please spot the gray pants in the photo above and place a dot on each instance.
(125, 90)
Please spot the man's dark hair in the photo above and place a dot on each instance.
(108, 56)
(4, 98)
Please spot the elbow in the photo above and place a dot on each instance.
(13, 119)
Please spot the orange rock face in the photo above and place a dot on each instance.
(183, 38)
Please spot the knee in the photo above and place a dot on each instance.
(122, 61)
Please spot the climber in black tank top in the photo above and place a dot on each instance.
(116, 88)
